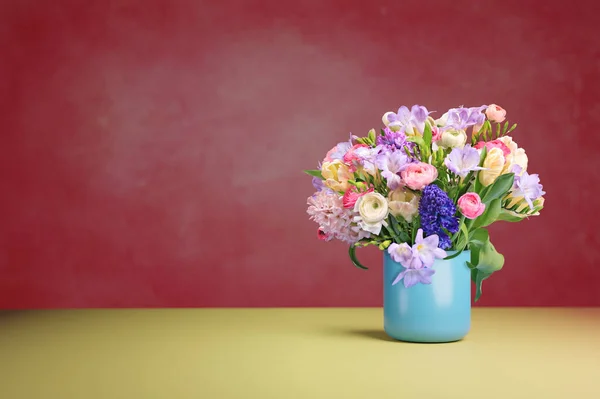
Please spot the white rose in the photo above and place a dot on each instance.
(373, 210)
(403, 203)
(453, 139)
(494, 165)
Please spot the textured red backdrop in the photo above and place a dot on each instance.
(151, 151)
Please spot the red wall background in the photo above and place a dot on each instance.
(151, 151)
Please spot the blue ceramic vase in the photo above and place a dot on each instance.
(436, 312)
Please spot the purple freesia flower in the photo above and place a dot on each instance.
(426, 249)
(526, 186)
(367, 157)
(318, 183)
(403, 254)
(391, 139)
(405, 120)
(463, 160)
(391, 163)
(461, 118)
(417, 260)
(413, 276)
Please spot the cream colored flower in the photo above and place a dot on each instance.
(523, 210)
(453, 139)
(517, 155)
(495, 113)
(403, 203)
(494, 166)
(336, 175)
(373, 210)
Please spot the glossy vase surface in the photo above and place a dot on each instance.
(436, 312)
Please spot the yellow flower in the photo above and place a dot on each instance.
(517, 155)
(523, 210)
(403, 203)
(336, 175)
(494, 166)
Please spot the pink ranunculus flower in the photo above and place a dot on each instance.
(351, 158)
(494, 144)
(495, 113)
(470, 205)
(352, 195)
(436, 133)
(418, 175)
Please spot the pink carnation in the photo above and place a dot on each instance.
(494, 144)
(352, 195)
(351, 158)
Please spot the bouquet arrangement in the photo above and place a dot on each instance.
(423, 186)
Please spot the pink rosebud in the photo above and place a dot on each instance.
(494, 144)
(495, 113)
(418, 175)
(352, 195)
(470, 205)
(436, 134)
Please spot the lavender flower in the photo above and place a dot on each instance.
(403, 254)
(367, 157)
(463, 160)
(391, 163)
(413, 276)
(405, 120)
(417, 260)
(437, 212)
(461, 118)
(318, 183)
(326, 209)
(426, 249)
(526, 186)
(392, 140)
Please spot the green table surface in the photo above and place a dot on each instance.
(293, 353)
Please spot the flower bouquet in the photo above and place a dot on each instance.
(425, 189)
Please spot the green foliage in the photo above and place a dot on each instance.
(498, 188)
(315, 173)
(490, 215)
(352, 254)
(485, 260)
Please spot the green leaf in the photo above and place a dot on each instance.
(489, 259)
(462, 241)
(427, 135)
(382, 132)
(315, 173)
(505, 128)
(372, 136)
(485, 260)
(507, 216)
(490, 215)
(477, 240)
(488, 129)
(352, 254)
(499, 188)
(478, 276)
(513, 127)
